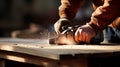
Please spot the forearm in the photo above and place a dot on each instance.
(68, 8)
(105, 14)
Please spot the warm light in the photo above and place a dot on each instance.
(6, 47)
(11, 48)
(15, 58)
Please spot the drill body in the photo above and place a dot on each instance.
(67, 37)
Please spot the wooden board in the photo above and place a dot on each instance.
(39, 52)
(41, 48)
(54, 52)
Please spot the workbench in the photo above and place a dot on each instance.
(39, 52)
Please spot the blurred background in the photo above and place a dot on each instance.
(19, 17)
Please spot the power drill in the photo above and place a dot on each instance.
(67, 37)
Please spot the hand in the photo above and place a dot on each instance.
(84, 34)
(61, 24)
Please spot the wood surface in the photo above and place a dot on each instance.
(55, 51)
(39, 52)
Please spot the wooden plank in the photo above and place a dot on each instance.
(37, 47)
(50, 55)
(54, 52)
(44, 62)
(25, 58)
(28, 50)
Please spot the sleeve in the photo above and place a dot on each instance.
(105, 15)
(68, 8)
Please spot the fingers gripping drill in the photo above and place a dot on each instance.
(66, 37)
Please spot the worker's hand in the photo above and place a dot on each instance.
(84, 34)
(61, 24)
